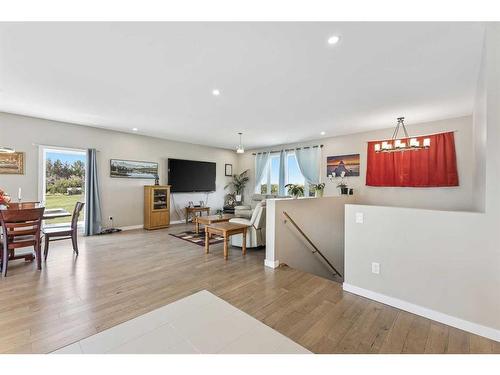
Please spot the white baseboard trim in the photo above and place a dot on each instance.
(132, 227)
(271, 263)
(139, 226)
(462, 324)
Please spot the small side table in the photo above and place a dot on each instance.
(195, 210)
(207, 220)
(226, 230)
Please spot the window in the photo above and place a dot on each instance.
(62, 181)
(270, 182)
(293, 175)
(274, 175)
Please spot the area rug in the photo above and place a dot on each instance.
(198, 239)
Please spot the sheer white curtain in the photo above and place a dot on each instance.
(309, 160)
(261, 165)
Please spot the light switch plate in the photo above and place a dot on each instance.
(359, 218)
(376, 268)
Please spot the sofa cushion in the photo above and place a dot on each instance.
(240, 220)
(259, 197)
(243, 213)
(243, 207)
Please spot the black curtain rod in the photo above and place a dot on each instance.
(287, 149)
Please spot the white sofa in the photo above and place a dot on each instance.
(256, 234)
(246, 211)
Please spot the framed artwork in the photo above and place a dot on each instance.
(228, 170)
(133, 169)
(12, 163)
(343, 163)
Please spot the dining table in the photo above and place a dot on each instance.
(55, 213)
(48, 214)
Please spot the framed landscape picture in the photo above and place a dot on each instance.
(343, 163)
(133, 169)
(12, 163)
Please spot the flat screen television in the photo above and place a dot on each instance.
(188, 176)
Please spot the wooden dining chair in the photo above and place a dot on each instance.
(21, 228)
(65, 232)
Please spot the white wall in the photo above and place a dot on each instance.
(479, 138)
(446, 198)
(445, 264)
(121, 198)
(321, 219)
(434, 259)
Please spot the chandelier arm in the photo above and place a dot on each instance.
(396, 130)
(405, 131)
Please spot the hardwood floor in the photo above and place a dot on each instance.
(118, 277)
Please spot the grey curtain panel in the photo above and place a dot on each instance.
(92, 200)
(309, 160)
(261, 164)
(282, 173)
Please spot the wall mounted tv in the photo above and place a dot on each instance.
(188, 176)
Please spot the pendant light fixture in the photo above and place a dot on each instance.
(396, 144)
(240, 149)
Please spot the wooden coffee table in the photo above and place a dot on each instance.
(195, 210)
(226, 230)
(207, 220)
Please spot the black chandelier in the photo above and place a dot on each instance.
(405, 143)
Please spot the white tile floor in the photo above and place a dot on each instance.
(200, 323)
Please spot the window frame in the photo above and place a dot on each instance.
(42, 172)
(266, 181)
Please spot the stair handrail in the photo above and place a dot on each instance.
(316, 250)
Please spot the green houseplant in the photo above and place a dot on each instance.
(238, 183)
(295, 190)
(319, 189)
(344, 190)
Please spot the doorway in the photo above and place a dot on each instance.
(62, 182)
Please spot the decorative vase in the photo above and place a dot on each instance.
(319, 193)
(238, 197)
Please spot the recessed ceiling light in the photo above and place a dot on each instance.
(334, 39)
(134, 129)
(215, 92)
(322, 133)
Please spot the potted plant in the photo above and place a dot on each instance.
(238, 183)
(344, 190)
(219, 213)
(229, 200)
(4, 199)
(295, 190)
(319, 189)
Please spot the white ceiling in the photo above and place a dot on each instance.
(279, 82)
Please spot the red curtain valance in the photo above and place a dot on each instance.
(433, 167)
